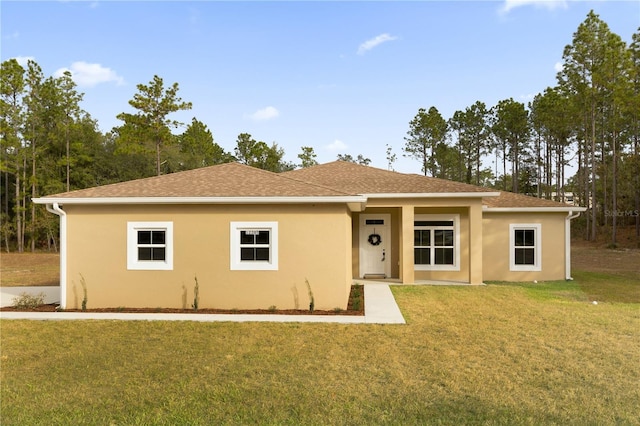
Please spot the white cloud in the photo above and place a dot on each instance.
(527, 98)
(376, 41)
(544, 4)
(558, 67)
(336, 146)
(264, 114)
(24, 60)
(89, 75)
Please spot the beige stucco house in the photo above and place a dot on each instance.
(253, 239)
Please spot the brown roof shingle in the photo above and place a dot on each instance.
(359, 179)
(224, 180)
(336, 179)
(510, 200)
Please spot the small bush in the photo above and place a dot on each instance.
(273, 308)
(312, 302)
(196, 295)
(28, 301)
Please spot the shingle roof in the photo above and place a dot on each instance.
(224, 180)
(355, 178)
(510, 200)
(336, 179)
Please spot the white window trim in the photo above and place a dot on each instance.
(537, 227)
(456, 241)
(132, 246)
(236, 263)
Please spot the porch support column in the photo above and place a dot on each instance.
(475, 243)
(407, 274)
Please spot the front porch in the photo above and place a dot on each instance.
(446, 234)
(396, 281)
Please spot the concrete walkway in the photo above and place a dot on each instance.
(379, 306)
(7, 294)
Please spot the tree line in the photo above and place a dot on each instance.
(589, 120)
(49, 144)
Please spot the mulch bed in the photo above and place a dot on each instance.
(354, 307)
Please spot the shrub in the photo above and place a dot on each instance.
(28, 301)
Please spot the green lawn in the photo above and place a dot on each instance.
(496, 354)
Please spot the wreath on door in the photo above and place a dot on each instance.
(375, 239)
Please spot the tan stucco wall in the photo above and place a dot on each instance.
(496, 246)
(314, 244)
(402, 266)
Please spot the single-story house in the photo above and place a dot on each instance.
(254, 239)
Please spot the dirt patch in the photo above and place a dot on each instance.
(29, 269)
(592, 258)
(598, 256)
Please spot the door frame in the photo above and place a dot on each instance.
(386, 240)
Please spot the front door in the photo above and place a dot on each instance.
(375, 245)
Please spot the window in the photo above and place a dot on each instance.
(254, 246)
(525, 247)
(150, 246)
(436, 242)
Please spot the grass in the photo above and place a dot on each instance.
(29, 269)
(501, 354)
(498, 354)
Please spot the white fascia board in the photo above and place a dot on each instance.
(204, 200)
(532, 209)
(434, 195)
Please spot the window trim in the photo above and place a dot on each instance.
(537, 266)
(234, 254)
(133, 264)
(456, 240)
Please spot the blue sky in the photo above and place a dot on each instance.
(341, 77)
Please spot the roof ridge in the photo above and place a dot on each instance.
(317, 185)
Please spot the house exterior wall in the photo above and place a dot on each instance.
(403, 212)
(314, 244)
(496, 246)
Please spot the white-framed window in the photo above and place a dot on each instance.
(254, 246)
(525, 247)
(436, 242)
(150, 246)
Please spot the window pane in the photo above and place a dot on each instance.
(444, 256)
(144, 237)
(262, 254)
(157, 253)
(247, 254)
(525, 256)
(443, 237)
(247, 237)
(433, 223)
(529, 237)
(262, 237)
(144, 253)
(157, 237)
(422, 256)
(421, 237)
(525, 237)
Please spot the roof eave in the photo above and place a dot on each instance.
(356, 199)
(432, 195)
(533, 209)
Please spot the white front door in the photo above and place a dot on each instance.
(375, 245)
